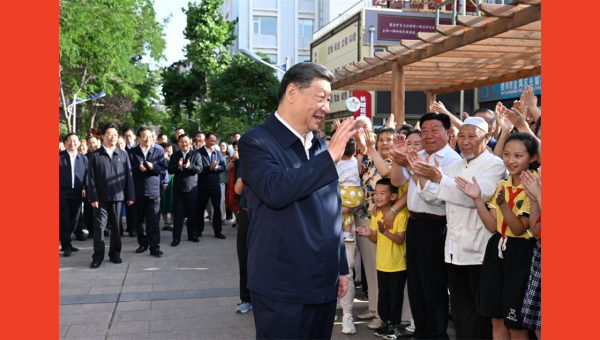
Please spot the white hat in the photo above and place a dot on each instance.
(478, 122)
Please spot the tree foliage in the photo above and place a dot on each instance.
(101, 46)
(182, 88)
(241, 96)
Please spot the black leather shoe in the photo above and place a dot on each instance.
(199, 235)
(174, 243)
(156, 252)
(95, 264)
(193, 239)
(67, 252)
(141, 249)
(221, 236)
(80, 238)
(132, 234)
(73, 249)
(117, 260)
(234, 225)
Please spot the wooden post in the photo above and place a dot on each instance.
(398, 93)
(430, 99)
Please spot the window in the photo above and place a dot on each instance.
(305, 28)
(265, 25)
(272, 58)
(303, 58)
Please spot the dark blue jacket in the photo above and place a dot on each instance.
(210, 178)
(185, 180)
(295, 249)
(65, 189)
(110, 180)
(147, 183)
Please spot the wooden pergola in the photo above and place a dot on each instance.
(503, 44)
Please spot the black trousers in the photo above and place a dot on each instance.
(69, 211)
(147, 212)
(214, 194)
(242, 253)
(275, 319)
(465, 283)
(129, 217)
(88, 217)
(184, 204)
(427, 278)
(107, 214)
(391, 295)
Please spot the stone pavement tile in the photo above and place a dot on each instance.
(83, 318)
(129, 327)
(223, 333)
(198, 312)
(181, 286)
(62, 330)
(185, 303)
(93, 283)
(87, 331)
(173, 335)
(148, 315)
(225, 283)
(86, 299)
(74, 291)
(151, 280)
(86, 308)
(106, 290)
(137, 288)
(147, 275)
(76, 276)
(228, 301)
(135, 305)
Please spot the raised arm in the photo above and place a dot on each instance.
(439, 107)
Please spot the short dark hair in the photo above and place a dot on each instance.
(92, 136)
(181, 136)
(405, 129)
(108, 126)
(142, 129)
(437, 116)
(350, 148)
(129, 129)
(179, 128)
(387, 182)
(210, 133)
(201, 132)
(234, 143)
(412, 132)
(162, 134)
(482, 110)
(69, 135)
(531, 145)
(235, 133)
(385, 130)
(166, 145)
(303, 75)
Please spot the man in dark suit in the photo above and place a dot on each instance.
(178, 132)
(93, 143)
(72, 174)
(209, 186)
(130, 143)
(296, 256)
(185, 165)
(109, 184)
(147, 167)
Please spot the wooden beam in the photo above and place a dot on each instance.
(366, 87)
(385, 55)
(432, 38)
(535, 71)
(413, 44)
(503, 49)
(398, 49)
(491, 55)
(498, 42)
(503, 11)
(459, 60)
(398, 91)
(526, 2)
(374, 61)
(521, 35)
(452, 30)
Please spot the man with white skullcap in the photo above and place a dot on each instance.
(467, 237)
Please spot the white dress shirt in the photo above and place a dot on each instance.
(73, 157)
(306, 142)
(110, 152)
(423, 200)
(467, 237)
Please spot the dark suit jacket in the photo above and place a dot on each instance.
(210, 178)
(147, 183)
(64, 175)
(110, 180)
(295, 248)
(185, 180)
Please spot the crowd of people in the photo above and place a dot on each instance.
(445, 212)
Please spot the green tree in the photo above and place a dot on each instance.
(101, 46)
(182, 88)
(241, 96)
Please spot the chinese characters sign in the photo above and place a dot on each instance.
(391, 27)
(365, 104)
(343, 42)
(510, 89)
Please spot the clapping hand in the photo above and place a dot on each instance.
(370, 140)
(187, 164)
(532, 185)
(361, 144)
(400, 143)
(340, 139)
(438, 107)
(517, 119)
(364, 230)
(432, 173)
(390, 122)
(142, 167)
(335, 125)
(500, 198)
(470, 189)
(214, 165)
(380, 227)
(181, 162)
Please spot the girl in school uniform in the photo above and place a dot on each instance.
(507, 260)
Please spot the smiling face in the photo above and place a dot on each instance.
(383, 196)
(223, 147)
(433, 136)
(145, 139)
(129, 137)
(185, 144)
(414, 142)
(385, 143)
(311, 105)
(110, 138)
(72, 143)
(472, 141)
(516, 158)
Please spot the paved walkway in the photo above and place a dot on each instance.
(189, 293)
